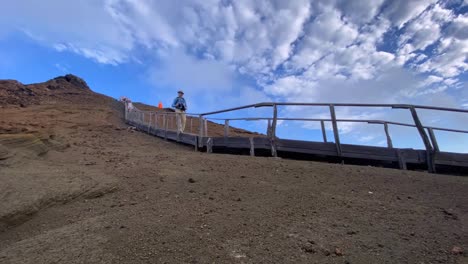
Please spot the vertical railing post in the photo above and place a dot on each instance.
(226, 128)
(165, 126)
(206, 127)
(425, 139)
(156, 125)
(335, 129)
(191, 125)
(387, 134)
(324, 133)
(252, 146)
(149, 122)
(433, 139)
(269, 128)
(200, 131)
(273, 131)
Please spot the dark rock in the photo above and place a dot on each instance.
(449, 214)
(308, 248)
(191, 180)
(72, 79)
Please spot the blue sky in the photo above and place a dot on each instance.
(227, 53)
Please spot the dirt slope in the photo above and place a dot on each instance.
(77, 187)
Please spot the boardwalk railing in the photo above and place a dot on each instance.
(164, 123)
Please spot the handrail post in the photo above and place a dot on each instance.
(200, 131)
(149, 122)
(335, 129)
(433, 139)
(387, 134)
(206, 127)
(269, 128)
(191, 125)
(226, 128)
(165, 126)
(273, 131)
(425, 139)
(324, 134)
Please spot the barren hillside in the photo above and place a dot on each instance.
(77, 187)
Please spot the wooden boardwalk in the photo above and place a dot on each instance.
(394, 157)
(431, 158)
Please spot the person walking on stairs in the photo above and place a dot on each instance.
(180, 106)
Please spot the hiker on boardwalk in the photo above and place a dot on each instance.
(180, 107)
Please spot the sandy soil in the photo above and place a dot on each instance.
(77, 187)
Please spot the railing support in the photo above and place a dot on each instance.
(165, 121)
(252, 146)
(268, 132)
(191, 125)
(206, 127)
(387, 134)
(324, 133)
(425, 139)
(273, 131)
(335, 130)
(226, 128)
(200, 131)
(433, 140)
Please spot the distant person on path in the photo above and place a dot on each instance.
(180, 107)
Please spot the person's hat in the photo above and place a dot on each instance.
(180, 91)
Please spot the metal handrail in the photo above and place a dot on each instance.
(396, 106)
(374, 121)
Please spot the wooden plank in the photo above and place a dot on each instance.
(455, 157)
(370, 150)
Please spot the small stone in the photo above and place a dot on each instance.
(338, 252)
(191, 180)
(308, 248)
(326, 252)
(456, 250)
